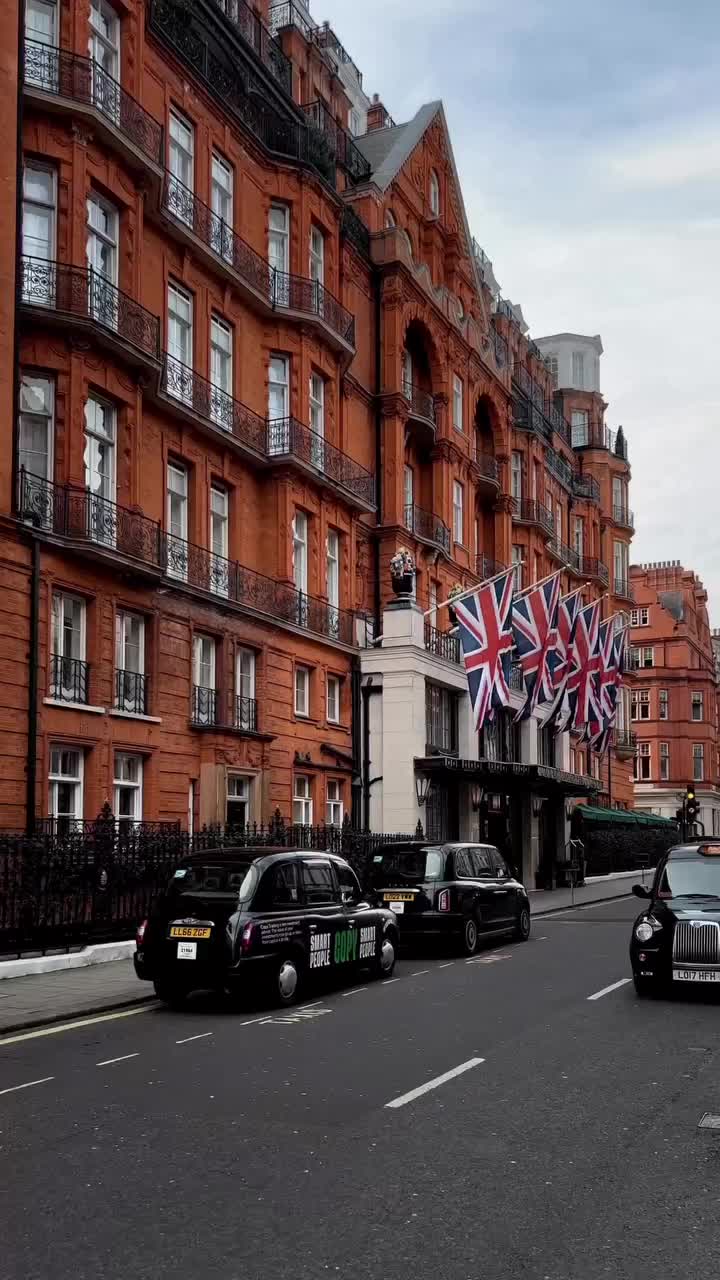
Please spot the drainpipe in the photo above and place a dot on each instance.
(378, 447)
(366, 691)
(18, 246)
(34, 660)
(356, 785)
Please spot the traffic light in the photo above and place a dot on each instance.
(692, 807)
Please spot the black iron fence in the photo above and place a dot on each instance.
(131, 689)
(71, 884)
(68, 678)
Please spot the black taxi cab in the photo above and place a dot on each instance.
(460, 892)
(240, 919)
(675, 942)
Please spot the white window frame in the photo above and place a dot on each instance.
(698, 758)
(100, 433)
(245, 671)
(621, 571)
(664, 758)
(204, 669)
(334, 686)
(301, 694)
(316, 394)
(219, 522)
(408, 494)
(104, 31)
(278, 398)
(124, 786)
(663, 704)
(334, 811)
(221, 372)
(434, 194)
(332, 568)
(578, 370)
(60, 688)
(317, 254)
(578, 536)
(50, 10)
(279, 251)
(37, 411)
(458, 512)
(180, 341)
(302, 800)
(300, 551)
(458, 414)
(694, 695)
(640, 617)
(354, 122)
(40, 290)
(640, 704)
(181, 166)
(579, 428)
(56, 779)
(516, 476)
(239, 791)
(222, 196)
(518, 556)
(124, 619)
(177, 532)
(644, 752)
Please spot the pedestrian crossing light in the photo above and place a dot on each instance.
(691, 804)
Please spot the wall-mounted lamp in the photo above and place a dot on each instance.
(423, 784)
(569, 808)
(476, 795)
(537, 804)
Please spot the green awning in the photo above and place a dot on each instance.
(623, 817)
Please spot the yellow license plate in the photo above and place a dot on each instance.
(189, 931)
(399, 897)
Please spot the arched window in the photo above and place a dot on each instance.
(434, 194)
(389, 218)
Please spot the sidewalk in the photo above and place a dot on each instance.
(80, 992)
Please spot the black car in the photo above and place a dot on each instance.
(459, 892)
(242, 918)
(676, 940)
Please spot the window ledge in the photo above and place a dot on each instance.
(74, 706)
(134, 715)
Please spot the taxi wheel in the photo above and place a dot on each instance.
(522, 928)
(384, 966)
(287, 980)
(469, 940)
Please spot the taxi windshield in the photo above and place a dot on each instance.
(691, 878)
(407, 864)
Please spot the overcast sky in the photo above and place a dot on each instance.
(587, 138)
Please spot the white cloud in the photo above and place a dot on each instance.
(693, 156)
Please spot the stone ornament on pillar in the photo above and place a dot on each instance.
(457, 589)
(402, 573)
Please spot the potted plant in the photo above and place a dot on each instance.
(402, 572)
(456, 590)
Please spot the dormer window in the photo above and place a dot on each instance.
(434, 194)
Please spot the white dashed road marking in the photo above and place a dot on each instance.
(434, 1084)
(107, 1062)
(28, 1085)
(419, 972)
(203, 1036)
(606, 990)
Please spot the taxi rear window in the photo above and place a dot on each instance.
(407, 865)
(214, 877)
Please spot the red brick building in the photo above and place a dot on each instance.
(248, 355)
(674, 696)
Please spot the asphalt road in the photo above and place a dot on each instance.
(263, 1145)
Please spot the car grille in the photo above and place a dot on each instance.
(696, 943)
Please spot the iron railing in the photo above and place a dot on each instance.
(486, 464)
(311, 298)
(75, 882)
(585, 486)
(622, 587)
(622, 516)
(442, 644)
(204, 706)
(290, 15)
(594, 435)
(557, 421)
(286, 437)
(66, 511)
(422, 404)
(565, 554)
(69, 679)
(80, 79)
(246, 717)
(131, 690)
(214, 405)
(427, 526)
(591, 567)
(345, 153)
(500, 349)
(530, 511)
(82, 294)
(264, 45)
(624, 742)
(187, 209)
(559, 467)
(486, 567)
(355, 230)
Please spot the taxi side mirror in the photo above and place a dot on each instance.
(348, 897)
(641, 892)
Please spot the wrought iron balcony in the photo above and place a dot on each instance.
(84, 82)
(81, 295)
(585, 486)
(342, 149)
(288, 438)
(355, 231)
(594, 435)
(566, 555)
(71, 513)
(442, 644)
(591, 567)
(523, 379)
(486, 465)
(557, 421)
(256, 35)
(559, 467)
(246, 717)
(527, 417)
(204, 707)
(500, 350)
(289, 14)
(131, 692)
(270, 289)
(427, 527)
(422, 404)
(194, 394)
(622, 588)
(486, 567)
(624, 518)
(69, 679)
(530, 511)
(624, 743)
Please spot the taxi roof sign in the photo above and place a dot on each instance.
(710, 850)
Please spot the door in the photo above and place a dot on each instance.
(360, 916)
(476, 885)
(331, 938)
(505, 893)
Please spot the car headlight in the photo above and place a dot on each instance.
(643, 931)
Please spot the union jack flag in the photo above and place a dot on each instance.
(610, 683)
(585, 666)
(559, 661)
(535, 631)
(486, 638)
(605, 687)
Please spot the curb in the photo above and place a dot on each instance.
(551, 911)
(85, 1012)
(96, 953)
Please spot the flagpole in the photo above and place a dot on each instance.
(548, 578)
(452, 600)
(576, 592)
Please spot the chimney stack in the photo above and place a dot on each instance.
(376, 115)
